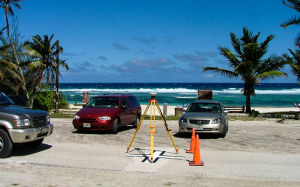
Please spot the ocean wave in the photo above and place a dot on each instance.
(186, 97)
(132, 90)
(262, 92)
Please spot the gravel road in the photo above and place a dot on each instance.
(254, 153)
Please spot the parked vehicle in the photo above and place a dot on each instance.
(108, 112)
(21, 125)
(206, 116)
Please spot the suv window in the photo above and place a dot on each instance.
(133, 101)
(4, 100)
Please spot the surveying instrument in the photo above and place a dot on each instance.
(151, 104)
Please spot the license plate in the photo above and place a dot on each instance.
(200, 127)
(86, 125)
(44, 130)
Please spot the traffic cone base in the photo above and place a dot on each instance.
(192, 163)
(197, 157)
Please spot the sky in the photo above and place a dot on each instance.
(110, 41)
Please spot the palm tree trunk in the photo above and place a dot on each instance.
(248, 103)
(36, 88)
(16, 58)
(57, 79)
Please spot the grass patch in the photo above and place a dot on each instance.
(61, 115)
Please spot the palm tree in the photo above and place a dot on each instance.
(294, 4)
(248, 62)
(44, 64)
(294, 62)
(6, 5)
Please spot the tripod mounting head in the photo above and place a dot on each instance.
(153, 95)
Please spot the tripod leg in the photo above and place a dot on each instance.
(139, 125)
(166, 125)
(152, 128)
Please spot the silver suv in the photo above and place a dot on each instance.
(21, 125)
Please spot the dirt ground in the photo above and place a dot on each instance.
(254, 153)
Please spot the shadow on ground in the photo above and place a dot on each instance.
(22, 150)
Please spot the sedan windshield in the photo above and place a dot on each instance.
(104, 102)
(204, 107)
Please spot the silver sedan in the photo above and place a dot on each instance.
(206, 116)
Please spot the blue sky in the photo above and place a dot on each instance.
(153, 41)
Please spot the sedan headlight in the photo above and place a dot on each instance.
(104, 118)
(22, 122)
(216, 121)
(76, 117)
(183, 119)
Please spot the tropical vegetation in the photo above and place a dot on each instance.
(25, 66)
(294, 4)
(248, 63)
(294, 62)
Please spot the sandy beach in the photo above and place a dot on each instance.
(171, 109)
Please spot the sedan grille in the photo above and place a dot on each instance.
(199, 122)
(40, 121)
(88, 120)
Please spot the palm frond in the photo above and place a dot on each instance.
(271, 74)
(294, 4)
(293, 21)
(224, 72)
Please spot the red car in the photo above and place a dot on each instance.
(108, 112)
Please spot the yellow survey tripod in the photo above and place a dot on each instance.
(152, 103)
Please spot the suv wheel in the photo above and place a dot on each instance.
(6, 144)
(115, 126)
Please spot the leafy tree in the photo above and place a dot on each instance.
(248, 62)
(43, 64)
(294, 4)
(11, 81)
(294, 62)
(7, 6)
(45, 100)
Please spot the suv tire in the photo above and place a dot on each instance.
(6, 144)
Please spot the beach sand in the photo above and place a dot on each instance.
(171, 109)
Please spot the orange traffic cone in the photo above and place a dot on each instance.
(192, 146)
(197, 157)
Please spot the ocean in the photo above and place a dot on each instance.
(180, 94)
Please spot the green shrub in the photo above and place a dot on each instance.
(254, 113)
(45, 100)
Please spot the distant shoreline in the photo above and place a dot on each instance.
(171, 109)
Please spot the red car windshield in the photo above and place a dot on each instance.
(104, 102)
